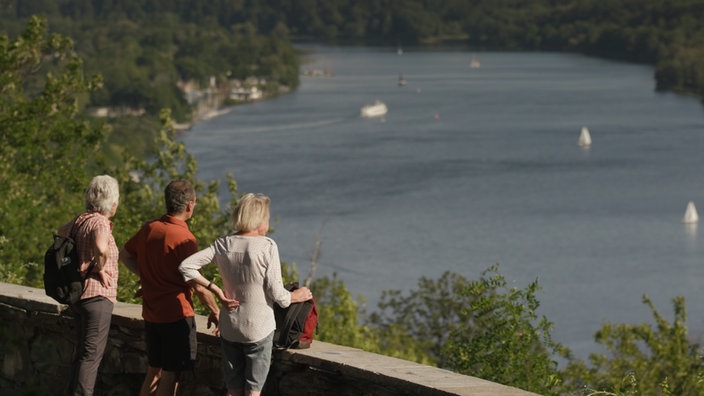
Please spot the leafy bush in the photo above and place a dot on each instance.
(501, 337)
(644, 359)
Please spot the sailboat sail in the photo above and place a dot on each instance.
(585, 138)
(690, 215)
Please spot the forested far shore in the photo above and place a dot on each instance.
(143, 49)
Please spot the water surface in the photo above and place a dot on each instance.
(472, 167)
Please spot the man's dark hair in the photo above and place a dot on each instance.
(177, 195)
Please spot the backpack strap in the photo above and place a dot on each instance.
(75, 241)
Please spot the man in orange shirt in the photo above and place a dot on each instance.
(154, 253)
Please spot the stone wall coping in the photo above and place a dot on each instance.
(403, 374)
(413, 378)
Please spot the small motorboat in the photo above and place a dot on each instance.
(376, 109)
(401, 80)
(474, 63)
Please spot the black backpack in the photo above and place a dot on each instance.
(295, 324)
(62, 274)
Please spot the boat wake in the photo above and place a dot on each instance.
(295, 126)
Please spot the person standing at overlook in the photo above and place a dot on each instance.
(251, 273)
(154, 253)
(97, 254)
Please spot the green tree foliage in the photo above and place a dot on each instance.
(480, 328)
(48, 151)
(339, 313)
(424, 318)
(152, 40)
(143, 49)
(644, 359)
(501, 337)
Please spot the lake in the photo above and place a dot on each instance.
(476, 166)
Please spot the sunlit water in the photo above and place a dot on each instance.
(472, 167)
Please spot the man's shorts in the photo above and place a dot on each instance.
(172, 346)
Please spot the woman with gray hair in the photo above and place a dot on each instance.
(98, 255)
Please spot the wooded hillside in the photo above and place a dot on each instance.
(142, 47)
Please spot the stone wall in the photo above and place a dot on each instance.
(37, 339)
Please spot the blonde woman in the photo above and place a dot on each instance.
(98, 253)
(249, 265)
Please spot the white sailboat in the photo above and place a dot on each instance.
(585, 138)
(690, 215)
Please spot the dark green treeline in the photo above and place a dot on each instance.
(665, 33)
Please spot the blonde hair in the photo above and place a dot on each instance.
(251, 212)
(102, 194)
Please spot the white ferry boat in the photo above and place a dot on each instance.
(376, 109)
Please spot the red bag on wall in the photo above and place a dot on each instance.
(296, 324)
